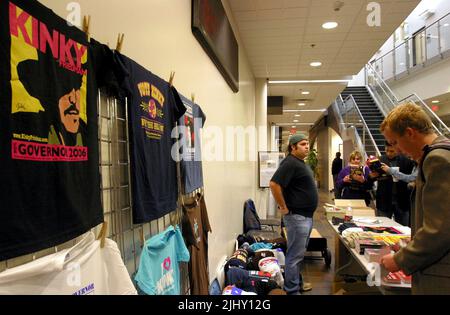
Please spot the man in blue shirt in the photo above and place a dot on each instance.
(295, 191)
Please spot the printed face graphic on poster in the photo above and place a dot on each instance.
(49, 80)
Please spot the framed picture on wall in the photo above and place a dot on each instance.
(268, 163)
(211, 27)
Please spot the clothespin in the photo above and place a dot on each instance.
(173, 222)
(87, 26)
(120, 38)
(142, 237)
(102, 235)
(172, 75)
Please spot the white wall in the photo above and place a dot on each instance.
(158, 36)
(359, 79)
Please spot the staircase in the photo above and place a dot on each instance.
(371, 114)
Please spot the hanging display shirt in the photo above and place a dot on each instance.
(195, 231)
(159, 272)
(49, 79)
(190, 148)
(84, 269)
(153, 107)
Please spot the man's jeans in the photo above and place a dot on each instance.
(298, 231)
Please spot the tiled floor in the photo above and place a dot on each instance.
(315, 271)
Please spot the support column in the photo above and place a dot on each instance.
(262, 194)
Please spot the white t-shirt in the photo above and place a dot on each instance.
(84, 269)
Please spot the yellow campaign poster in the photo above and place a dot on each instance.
(49, 84)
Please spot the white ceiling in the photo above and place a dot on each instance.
(277, 36)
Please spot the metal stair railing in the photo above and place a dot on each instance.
(386, 100)
(350, 119)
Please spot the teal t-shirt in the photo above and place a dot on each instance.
(159, 272)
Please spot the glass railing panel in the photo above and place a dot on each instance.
(388, 65)
(445, 33)
(432, 40)
(401, 58)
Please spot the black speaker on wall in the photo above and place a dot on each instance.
(275, 105)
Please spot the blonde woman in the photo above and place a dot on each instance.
(354, 180)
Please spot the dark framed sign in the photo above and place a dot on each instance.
(212, 29)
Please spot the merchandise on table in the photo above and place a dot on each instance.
(375, 255)
(361, 245)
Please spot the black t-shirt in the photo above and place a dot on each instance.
(153, 109)
(299, 189)
(191, 156)
(49, 78)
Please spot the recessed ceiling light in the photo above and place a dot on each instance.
(297, 115)
(295, 120)
(293, 126)
(315, 64)
(301, 104)
(305, 93)
(436, 102)
(307, 81)
(329, 25)
(302, 110)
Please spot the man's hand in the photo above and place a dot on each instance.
(389, 263)
(284, 210)
(373, 175)
(359, 178)
(385, 168)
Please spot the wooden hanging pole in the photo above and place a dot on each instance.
(119, 45)
(102, 235)
(87, 26)
(172, 75)
(142, 237)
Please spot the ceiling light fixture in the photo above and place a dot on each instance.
(297, 115)
(297, 124)
(315, 64)
(302, 110)
(295, 120)
(306, 93)
(306, 81)
(301, 104)
(330, 25)
(436, 102)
